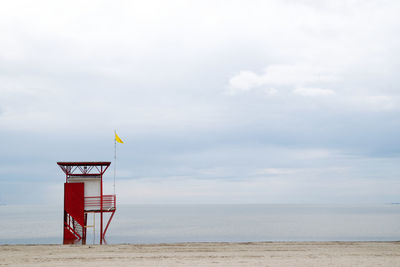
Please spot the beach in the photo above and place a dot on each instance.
(206, 254)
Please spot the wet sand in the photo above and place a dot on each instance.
(206, 254)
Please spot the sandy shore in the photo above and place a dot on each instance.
(206, 254)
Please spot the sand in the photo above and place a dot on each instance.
(206, 254)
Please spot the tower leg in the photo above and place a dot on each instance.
(84, 231)
(109, 220)
(101, 227)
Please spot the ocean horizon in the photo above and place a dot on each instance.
(151, 224)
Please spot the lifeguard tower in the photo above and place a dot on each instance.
(83, 194)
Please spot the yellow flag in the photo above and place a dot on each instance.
(118, 139)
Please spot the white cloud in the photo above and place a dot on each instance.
(277, 171)
(374, 102)
(244, 81)
(280, 75)
(313, 91)
(380, 102)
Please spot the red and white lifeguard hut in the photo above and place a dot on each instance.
(83, 194)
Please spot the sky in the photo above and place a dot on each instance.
(229, 102)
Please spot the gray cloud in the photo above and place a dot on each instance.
(241, 102)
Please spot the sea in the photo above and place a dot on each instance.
(148, 224)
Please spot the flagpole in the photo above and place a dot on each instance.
(115, 157)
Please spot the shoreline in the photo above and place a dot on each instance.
(314, 253)
(210, 242)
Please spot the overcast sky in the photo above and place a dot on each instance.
(216, 101)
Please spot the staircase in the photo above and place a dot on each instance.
(73, 227)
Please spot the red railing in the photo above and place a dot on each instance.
(93, 203)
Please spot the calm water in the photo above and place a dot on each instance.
(187, 223)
